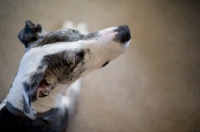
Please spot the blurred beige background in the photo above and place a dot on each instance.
(153, 87)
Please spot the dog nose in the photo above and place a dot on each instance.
(123, 34)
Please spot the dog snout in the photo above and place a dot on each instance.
(123, 34)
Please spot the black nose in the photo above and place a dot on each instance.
(123, 34)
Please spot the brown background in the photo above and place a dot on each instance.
(153, 87)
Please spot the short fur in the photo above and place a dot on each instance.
(36, 101)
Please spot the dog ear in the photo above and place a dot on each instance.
(29, 87)
(29, 34)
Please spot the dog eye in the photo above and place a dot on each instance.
(79, 56)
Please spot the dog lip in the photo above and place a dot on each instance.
(42, 90)
(106, 63)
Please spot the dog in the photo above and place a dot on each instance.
(37, 100)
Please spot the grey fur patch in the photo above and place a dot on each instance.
(64, 35)
(26, 106)
(62, 64)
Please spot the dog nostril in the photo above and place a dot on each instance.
(123, 34)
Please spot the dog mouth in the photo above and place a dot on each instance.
(45, 84)
(42, 90)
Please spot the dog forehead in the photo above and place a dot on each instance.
(63, 35)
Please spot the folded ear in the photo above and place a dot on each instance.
(29, 87)
(28, 35)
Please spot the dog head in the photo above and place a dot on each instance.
(61, 57)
